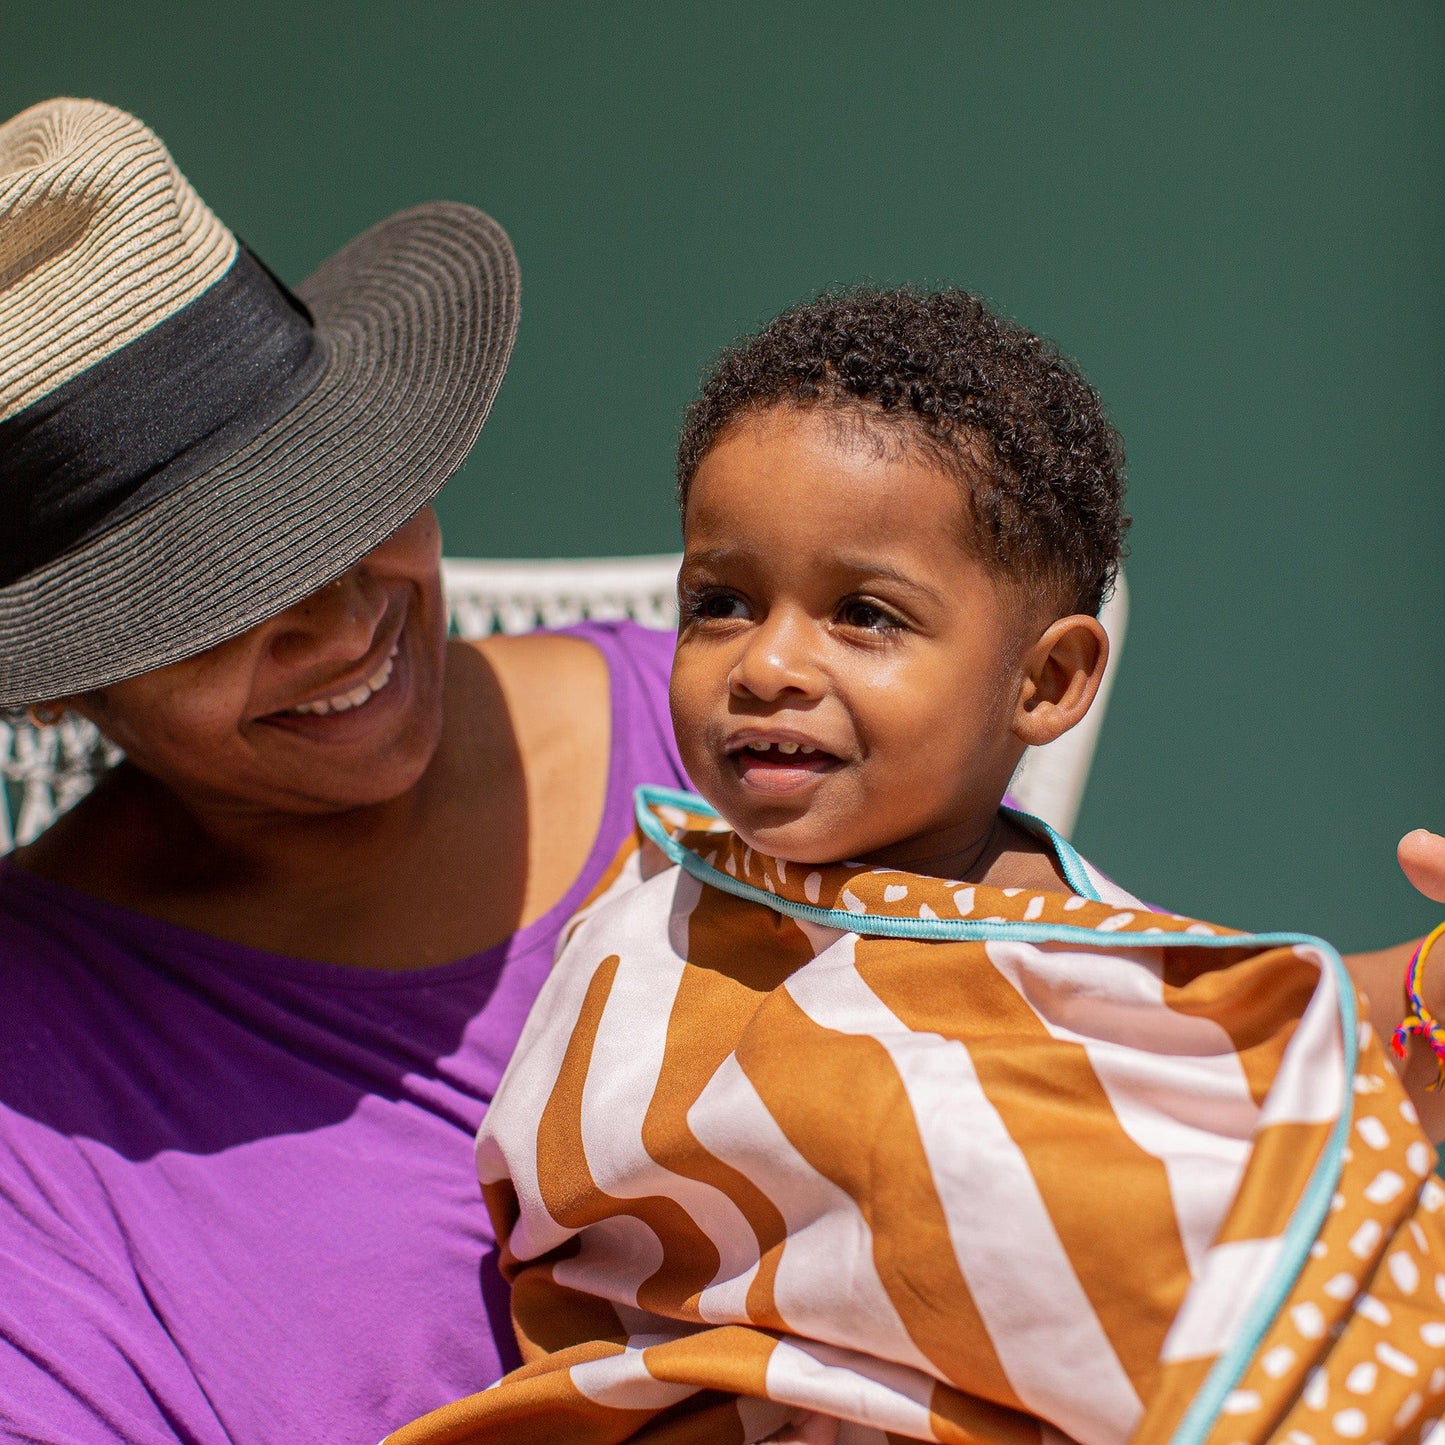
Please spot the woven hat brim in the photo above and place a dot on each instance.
(415, 319)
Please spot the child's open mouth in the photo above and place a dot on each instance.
(781, 766)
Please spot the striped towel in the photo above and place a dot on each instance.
(947, 1162)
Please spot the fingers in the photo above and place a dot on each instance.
(1422, 857)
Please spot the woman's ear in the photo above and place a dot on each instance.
(1061, 676)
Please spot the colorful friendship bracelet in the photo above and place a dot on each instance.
(1418, 1019)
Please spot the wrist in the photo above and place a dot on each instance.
(1424, 1004)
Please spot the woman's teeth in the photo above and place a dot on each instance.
(358, 694)
(781, 747)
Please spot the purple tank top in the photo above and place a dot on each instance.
(237, 1196)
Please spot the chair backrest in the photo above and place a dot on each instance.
(43, 771)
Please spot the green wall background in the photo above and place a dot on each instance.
(1230, 214)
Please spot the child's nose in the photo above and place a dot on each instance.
(777, 658)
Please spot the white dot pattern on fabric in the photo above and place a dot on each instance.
(853, 903)
(1074, 904)
(1417, 1156)
(1341, 1287)
(1397, 1360)
(1035, 909)
(1115, 922)
(812, 886)
(963, 901)
(924, 911)
(1241, 1402)
(1365, 1239)
(1384, 1187)
(895, 892)
(1358, 1326)
(1372, 1131)
(1409, 1408)
(1361, 1380)
(1404, 1271)
(1277, 1361)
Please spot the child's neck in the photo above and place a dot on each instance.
(1003, 855)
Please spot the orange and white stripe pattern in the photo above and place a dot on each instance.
(1027, 1179)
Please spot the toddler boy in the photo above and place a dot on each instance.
(855, 1096)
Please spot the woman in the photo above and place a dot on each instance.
(260, 985)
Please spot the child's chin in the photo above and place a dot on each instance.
(790, 843)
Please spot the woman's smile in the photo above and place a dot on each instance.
(355, 712)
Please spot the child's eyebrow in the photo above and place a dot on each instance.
(856, 568)
(874, 569)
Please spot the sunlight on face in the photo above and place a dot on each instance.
(846, 673)
(332, 704)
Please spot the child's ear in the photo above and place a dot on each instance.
(1061, 676)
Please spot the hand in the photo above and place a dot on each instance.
(1422, 857)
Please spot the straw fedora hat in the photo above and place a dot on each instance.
(186, 448)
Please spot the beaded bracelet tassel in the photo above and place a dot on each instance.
(1418, 1019)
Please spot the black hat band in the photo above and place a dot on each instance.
(152, 415)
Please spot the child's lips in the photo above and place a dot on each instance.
(781, 767)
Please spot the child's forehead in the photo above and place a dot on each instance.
(811, 474)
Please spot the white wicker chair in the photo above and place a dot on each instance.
(43, 771)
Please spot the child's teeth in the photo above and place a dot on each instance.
(787, 747)
(804, 748)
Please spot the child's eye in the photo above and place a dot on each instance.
(867, 616)
(711, 605)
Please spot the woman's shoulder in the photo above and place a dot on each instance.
(588, 717)
(616, 670)
(577, 657)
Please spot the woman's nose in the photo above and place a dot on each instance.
(777, 658)
(336, 622)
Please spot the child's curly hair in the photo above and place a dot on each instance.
(987, 401)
